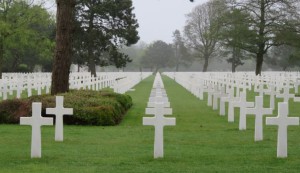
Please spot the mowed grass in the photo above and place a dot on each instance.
(201, 141)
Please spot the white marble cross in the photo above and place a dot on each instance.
(59, 111)
(36, 121)
(286, 94)
(233, 102)
(272, 92)
(5, 91)
(282, 121)
(158, 99)
(159, 121)
(210, 92)
(152, 104)
(29, 87)
(217, 96)
(19, 89)
(259, 111)
(224, 99)
(260, 89)
(243, 104)
(159, 109)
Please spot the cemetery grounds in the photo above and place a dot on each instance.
(201, 141)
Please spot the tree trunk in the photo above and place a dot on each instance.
(177, 67)
(205, 64)
(261, 44)
(259, 63)
(63, 50)
(233, 63)
(15, 62)
(78, 68)
(233, 67)
(177, 58)
(1, 55)
(92, 64)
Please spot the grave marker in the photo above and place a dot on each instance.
(59, 111)
(158, 121)
(259, 111)
(286, 94)
(282, 121)
(243, 104)
(36, 121)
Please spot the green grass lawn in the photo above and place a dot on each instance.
(201, 141)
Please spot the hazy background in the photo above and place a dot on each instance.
(159, 18)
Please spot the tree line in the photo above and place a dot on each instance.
(241, 29)
(94, 32)
(99, 29)
(27, 33)
(261, 31)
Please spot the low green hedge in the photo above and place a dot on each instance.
(104, 108)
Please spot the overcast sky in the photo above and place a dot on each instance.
(158, 19)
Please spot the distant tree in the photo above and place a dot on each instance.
(268, 19)
(282, 57)
(158, 55)
(135, 52)
(202, 29)
(234, 35)
(181, 52)
(104, 26)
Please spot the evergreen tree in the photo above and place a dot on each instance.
(104, 26)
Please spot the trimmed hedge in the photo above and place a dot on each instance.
(104, 107)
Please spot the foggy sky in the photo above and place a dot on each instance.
(158, 19)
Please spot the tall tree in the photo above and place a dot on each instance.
(105, 25)
(202, 29)
(268, 19)
(63, 50)
(234, 33)
(158, 55)
(181, 51)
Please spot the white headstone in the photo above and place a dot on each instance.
(259, 111)
(159, 110)
(243, 104)
(158, 121)
(152, 104)
(286, 94)
(59, 111)
(5, 91)
(36, 121)
(282, 121)
(158, 99)
(228, 98)
(272, 92)
(29, 87)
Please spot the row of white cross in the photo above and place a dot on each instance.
(36, 121)
(231, 88)
(158, 105)
(19, 82)
(124, 84)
